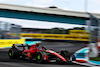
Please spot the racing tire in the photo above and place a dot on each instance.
(73, 58)
(39, 57)
(65, 54)
(13, 53)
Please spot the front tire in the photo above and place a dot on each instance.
(65, 54)
(73, 58)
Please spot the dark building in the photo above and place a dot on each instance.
(32, 30)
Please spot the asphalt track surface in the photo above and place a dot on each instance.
(57, 46)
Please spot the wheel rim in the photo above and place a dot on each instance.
(38, 57)
(10, 54)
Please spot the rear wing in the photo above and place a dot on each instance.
(20, 45)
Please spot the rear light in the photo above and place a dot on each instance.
(13, 46)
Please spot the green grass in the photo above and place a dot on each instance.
(95, 59)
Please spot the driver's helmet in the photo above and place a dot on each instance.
(44, 47)
(37, 44)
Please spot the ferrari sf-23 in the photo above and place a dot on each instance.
(40, 54)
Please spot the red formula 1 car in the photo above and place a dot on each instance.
(40, 54)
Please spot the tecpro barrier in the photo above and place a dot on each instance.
(76, 37)
(78, 32)
(10, 42)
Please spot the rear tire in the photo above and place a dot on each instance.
(13, 53)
